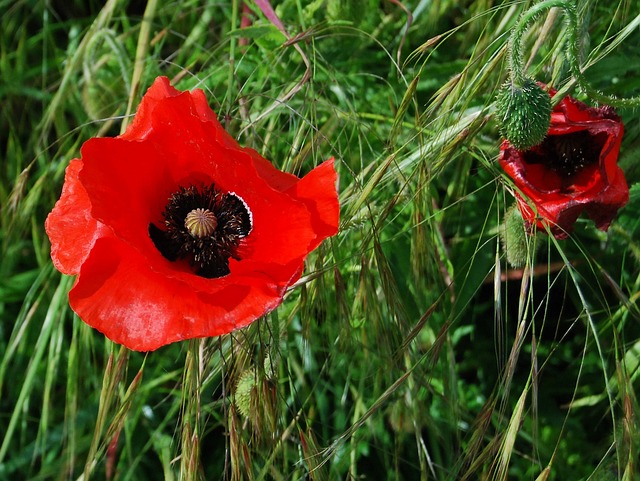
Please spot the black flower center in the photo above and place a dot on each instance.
(204, 226)
(567, 154)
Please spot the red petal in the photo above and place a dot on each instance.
(277, 179)
(132, 192)
(159, 90)
(318, 190)
(611, 150)
(205, 114)
(193, 107)
(600, 189)
(70, 225)
(197, 107)
(282, 226)
(189, 146)
(120, 295)
(604, 209)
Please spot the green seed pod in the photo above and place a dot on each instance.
(518, 241)
(246, 391)
(524, 113)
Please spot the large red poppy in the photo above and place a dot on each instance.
(574, 169)
(177, 232)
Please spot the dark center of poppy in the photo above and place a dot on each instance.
(204, 226)
(567, 154)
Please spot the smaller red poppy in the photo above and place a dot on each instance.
(574, 169)
(177, 232)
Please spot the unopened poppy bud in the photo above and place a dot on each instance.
(524, 113)
(516, 239)
(246, 389)
(201, 222)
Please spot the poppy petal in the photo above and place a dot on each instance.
(574, 170)
(70, 227)
(160, 90)
(277, 179)
(121, 296)
(317, 190)
(120, 199)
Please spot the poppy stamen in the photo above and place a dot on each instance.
(571, 152)
(204, 226)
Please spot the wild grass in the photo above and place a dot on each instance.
(409, 349)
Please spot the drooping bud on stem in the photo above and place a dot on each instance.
(523, 107)
(569, 9)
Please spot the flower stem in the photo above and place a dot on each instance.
(515, 42)
(571, 20)
(190, 468)
(141, 53)
(576, 71)
(113, 374)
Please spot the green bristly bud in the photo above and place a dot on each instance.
(524, 113)
(518, 244)
(246, 392)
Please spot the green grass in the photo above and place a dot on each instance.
(409, 349)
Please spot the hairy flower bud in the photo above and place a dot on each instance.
(524, 113)
(246, 392)
(517, 238)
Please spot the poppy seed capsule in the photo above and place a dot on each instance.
(201, 222)
(524, 113)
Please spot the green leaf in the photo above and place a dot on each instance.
(266, 36)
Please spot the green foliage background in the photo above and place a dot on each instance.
(410, 349)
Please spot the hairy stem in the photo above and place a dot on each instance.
(571, 20)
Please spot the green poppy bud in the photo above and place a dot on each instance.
(246, 392)
(524, 113)
(518, 240)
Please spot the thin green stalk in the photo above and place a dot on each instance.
(190, 466)
(72, 66)
(141, 54)
(113, 374)
(516, 57)
(54, 314)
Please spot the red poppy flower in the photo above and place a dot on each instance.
(573, 170)
(177, 232)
